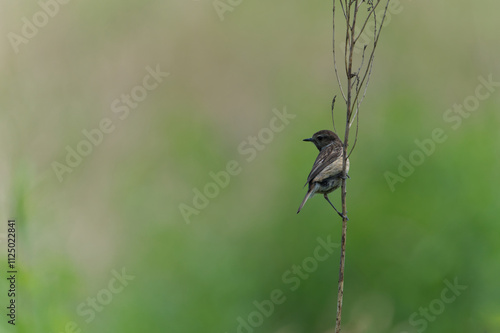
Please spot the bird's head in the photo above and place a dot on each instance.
(323, 138)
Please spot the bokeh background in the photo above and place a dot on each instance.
(119, 210)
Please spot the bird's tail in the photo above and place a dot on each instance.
(310, 193)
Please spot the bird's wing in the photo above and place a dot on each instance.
(325, 157)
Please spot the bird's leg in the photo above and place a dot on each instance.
(340, 214)
(339, 175)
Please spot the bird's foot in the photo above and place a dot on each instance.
(343, 216)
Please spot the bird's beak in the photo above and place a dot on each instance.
(310, 139)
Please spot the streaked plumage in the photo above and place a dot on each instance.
(326, 173)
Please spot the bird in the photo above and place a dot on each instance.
(326, 174)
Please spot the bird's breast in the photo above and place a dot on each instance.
(331, 170)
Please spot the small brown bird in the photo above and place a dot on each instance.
(326, 173)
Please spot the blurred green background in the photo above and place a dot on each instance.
(119, 209)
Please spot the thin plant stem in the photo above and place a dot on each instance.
(356, 82)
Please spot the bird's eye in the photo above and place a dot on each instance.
(320, 138)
